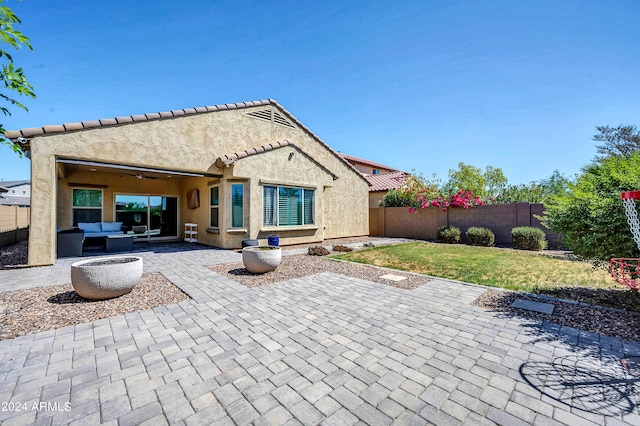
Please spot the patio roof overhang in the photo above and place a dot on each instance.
(111, 167)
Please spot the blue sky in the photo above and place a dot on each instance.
(419, 85)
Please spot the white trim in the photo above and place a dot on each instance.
(277, 208)
(288, 228)
(87, 208)
(237, 231)
(266, 182)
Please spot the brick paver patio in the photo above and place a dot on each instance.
(323, 349)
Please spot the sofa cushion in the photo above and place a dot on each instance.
(90, 227)
(102, 234)
(111, 226)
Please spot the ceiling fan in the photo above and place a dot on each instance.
(141, 175)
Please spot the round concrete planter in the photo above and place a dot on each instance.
(259, 260)
(106, 277)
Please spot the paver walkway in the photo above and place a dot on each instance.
(323, 349)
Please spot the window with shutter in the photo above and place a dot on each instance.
(287, 206)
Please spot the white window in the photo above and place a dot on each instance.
(287, 206)
(87, 205)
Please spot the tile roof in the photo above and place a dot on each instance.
(15, 200)
(385, 181)
(27, 133)
(353, 159)
(12, 183)
(104, 122)
(228, 159)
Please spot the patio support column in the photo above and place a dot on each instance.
(42, 228)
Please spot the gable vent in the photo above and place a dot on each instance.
(272, 116)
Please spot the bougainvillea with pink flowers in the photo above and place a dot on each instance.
(418, 192)
(461, 199)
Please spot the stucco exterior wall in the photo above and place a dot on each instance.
(363, 168)
(192, 143)
(284, 167)
(375, 198)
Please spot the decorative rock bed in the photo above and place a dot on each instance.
(106, 277)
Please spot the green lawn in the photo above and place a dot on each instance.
(506, 268)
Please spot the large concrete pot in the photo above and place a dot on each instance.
(259, 260)
(106, 277)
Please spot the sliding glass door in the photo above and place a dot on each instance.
(148, 216)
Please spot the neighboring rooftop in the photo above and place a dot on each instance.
(14, 200)
(352, 159)
(12, 183)
(385, 181)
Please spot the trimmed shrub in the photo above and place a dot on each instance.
(395, 198)
(448, 234)
(318, 251)
(477, 236)
(528, 238)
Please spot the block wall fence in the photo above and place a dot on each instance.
(423, 224)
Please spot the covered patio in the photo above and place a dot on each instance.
(117, 205)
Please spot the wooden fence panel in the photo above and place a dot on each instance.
(13, 217)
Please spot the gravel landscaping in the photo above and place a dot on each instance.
(610, 322)
(14, 256)
(46, 308)
(302, 265)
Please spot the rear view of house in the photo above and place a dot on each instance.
(235, 171)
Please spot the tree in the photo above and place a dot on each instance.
(494, 180)
(470, 178)
(534, 192)
(590, 216)
(13, 78)
(622, 140)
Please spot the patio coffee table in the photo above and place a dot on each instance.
(118, 242)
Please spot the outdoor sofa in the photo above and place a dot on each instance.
(100, 229)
